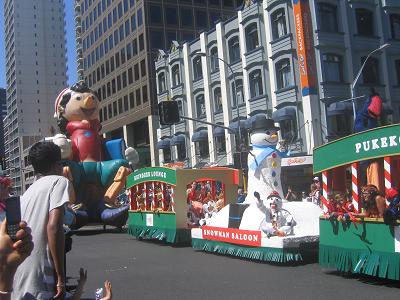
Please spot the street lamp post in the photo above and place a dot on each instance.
(236, 94)
(353, 93)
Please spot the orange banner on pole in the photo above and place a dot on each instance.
(305, 49)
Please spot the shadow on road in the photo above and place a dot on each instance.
(88, 231)
(370, 280)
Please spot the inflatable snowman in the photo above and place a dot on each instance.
(264, 160)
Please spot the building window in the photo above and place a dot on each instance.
(140, 17)
(176, 77)
(141, 42)
(283, 74)
(123, 58)
(332, 68)
(252, 41)
(395, 26)
(136, 71)
(214, 59)
(186, 17)
(120, 105)
(134, 47)
(256, 84)
(201, 19)
(181, 151)
(124, 80)
(110, 115)
(138, 97)
(128, 51)
(180, 108)
(118, 83)
(327, 17)
(167, 155)
(234, 49)
(288, 129)
(161, 83)
(119, 10)
(371, 71)
(365, 25)
(217, 100)
(220, 144)
(144, 94)
(133, 22)
(143, 68)
(237, 92)
(171, 15)
(155, 14)
(200, 106)
(131, 100)
(126, 104)
(202, 149)
(279, 28)
(197, 70)
(127, 27)
(130, 76)
(241, 140)
(105, 117)
(157, 39)
(339, 126)
(115, 110)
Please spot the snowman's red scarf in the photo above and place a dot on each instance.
(266, 151)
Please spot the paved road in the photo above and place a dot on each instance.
(147, 270)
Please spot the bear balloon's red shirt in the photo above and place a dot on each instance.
(85, 139)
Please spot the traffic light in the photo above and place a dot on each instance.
(168, 112)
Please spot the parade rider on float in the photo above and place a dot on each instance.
(278, 221)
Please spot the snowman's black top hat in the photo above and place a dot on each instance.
(261, 122)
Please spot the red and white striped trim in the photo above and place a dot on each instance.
(324, 190)
(388, 172)
(172, 199)
(387, 166)
(354, 187)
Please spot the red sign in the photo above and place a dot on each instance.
(232, 235)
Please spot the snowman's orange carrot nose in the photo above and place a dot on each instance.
(273, 136)
(89, 102)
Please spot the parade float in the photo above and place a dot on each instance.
(264, 227)
(369, 245)
(96, 168)
(166, 203)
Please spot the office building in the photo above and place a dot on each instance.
(3, 114)
(292, 62)
(119, 41)
(35, 73)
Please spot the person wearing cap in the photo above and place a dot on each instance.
(315, 191)
(278, 221)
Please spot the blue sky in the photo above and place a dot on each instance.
(71, 53)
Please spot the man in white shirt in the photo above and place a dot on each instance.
(42, 276)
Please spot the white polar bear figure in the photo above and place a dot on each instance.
(264, 160)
